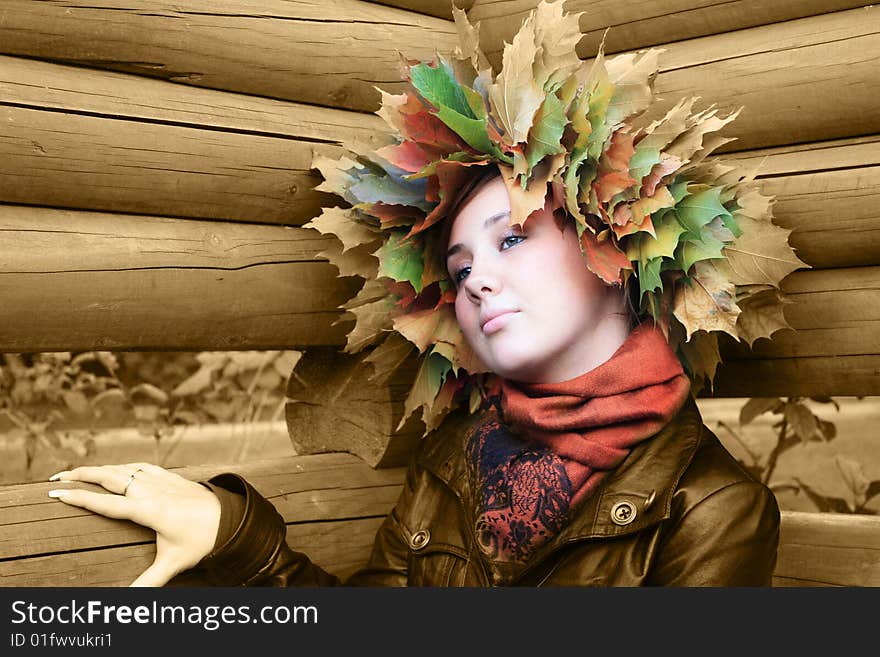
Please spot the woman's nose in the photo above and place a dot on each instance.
(481, 282)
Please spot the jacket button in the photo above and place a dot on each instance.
(420, 539)
(623, 513)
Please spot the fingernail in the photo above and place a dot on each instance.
(60, 494)
(57, 476)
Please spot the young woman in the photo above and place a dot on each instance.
(592, 466)
(544, 231)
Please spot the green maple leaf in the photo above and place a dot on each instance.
(374, 188)
(679, 190)
(546, 132)
(690, 251)
(401, 260)
(696, 210)
(431, 375)
(643, 247)
(649, 276)
(459, 107)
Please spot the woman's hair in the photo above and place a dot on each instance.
(482, 176)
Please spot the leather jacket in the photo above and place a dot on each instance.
(679, 511)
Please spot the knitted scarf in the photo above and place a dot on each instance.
(558, 441)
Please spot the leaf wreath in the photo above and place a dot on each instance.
(697, 235)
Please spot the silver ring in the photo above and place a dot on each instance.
(131, 479)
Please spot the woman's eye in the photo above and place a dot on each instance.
(516, 240)
(460, 274)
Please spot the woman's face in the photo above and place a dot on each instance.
(526, 302)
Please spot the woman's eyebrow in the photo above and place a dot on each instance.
(455, 248)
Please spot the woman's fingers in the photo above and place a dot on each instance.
(111, 477)
(113, 506)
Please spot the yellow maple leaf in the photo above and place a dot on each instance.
(762, 315)
(706, 300)
(515, 96)
(761, 254)
(343, 224)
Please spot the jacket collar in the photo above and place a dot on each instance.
(644, 483)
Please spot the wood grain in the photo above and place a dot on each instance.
(93, 163)
(42, 85)
(328, 53)
(634, 25)
(438, 8)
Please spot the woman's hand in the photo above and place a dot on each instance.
(185, 514)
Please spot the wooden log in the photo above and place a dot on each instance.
(828, 59)
(438, 8)
(634, 25)
(828, 549)
(46, 240)
(94, 163)
(331, 53)
(334, 407)
(809, 376)
(333, 504)
(41, 85)
(85, 281)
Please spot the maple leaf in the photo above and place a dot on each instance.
(388, 356)
(371, 320)
(515, 96)
(753, 204)
(358, 261)
(433, 260)
(609, 184)
(546, 133)
(645, 247)
(762, 315)
(706, 300)
(344, 225)
(632, 75)
(696, 210)
(433, 416)
(469, 41)
(459, 107)
(621, 231)
(339, 175)
(761, 254)
(400, 259)
(691, 141)
(391, 215)
(648, 205)
(667, 165)
(702, 354)
(429, 379)
(691, 251)
(371, 187)
(604, 258)
(418, 327)
(524, 202)
(448, 177)
(556, 38)
(406, 155)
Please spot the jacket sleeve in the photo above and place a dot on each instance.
(729, 538)
(257, 553)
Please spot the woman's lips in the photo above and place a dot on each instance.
(497, 323)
